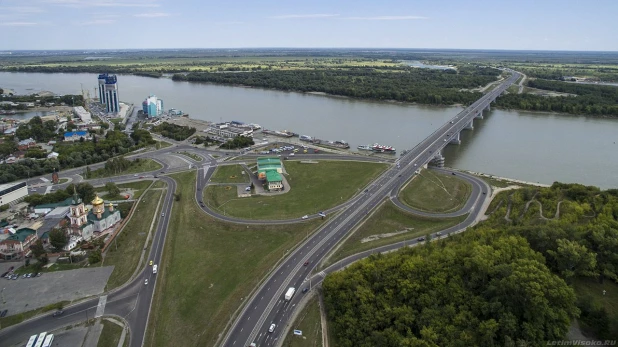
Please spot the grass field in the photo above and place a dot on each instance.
(159, 184)
(208, 269)
(436, 192)
(389, 219)
(110, 335)
(138, 187)
(20, 317)
(162, 144)
(314, 187)
(143, 166)
(230, 174)
(609, 301)
(131, 240)
(309, 323)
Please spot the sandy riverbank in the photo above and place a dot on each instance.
(506, 179)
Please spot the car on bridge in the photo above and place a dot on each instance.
(271, 328)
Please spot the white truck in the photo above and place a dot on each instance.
(290, 293)
(154, 269)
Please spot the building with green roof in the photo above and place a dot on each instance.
(270, 170)
(17, 244)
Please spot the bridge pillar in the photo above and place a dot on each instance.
(470, 125)
(455, 139)
(479, 115)
(437, 160)
(488, 108)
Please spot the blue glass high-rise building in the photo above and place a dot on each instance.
(102, 78)
(111, 94)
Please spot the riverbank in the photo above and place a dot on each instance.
(506, 179)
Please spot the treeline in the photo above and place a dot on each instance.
(238, 142)
(173, 131)
(507, 282)
(84, 190)
(74, 155)
(593, 100)
(483, 288)
(69, 99)
(412, 85)
(609, 73)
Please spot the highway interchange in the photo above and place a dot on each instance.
(133, 300)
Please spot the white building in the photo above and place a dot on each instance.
(84, 115)
(225, 131)
(12, 192)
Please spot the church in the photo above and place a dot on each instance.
(86, 223)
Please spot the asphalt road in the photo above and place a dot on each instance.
(267, 305)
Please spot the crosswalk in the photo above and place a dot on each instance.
(101, 306)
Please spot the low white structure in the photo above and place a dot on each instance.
(84, 115)
(12, 192)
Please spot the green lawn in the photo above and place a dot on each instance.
(159, 184)
(62, 180)
(314, 187)
(162, 144)
(20, 317)
(436, 192)
(230, 174)
(389, 219)
(594, 289)
(110, 335)
(131, 240)
(138, 187)
(309, 323)
(144, 165)
(208, 269)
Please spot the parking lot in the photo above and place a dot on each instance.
(25, 294)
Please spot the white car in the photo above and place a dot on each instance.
(146, 282)
(272, 328)
(305, 217)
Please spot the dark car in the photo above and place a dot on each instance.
(306, 263)
(3, 313)
(58, 313)
(305, 289)
(421, 239)
(452, 173)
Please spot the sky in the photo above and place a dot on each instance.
(457, 24)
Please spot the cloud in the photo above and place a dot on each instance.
(152, 15)
(318, 15)
(98, 21)
(17, 24)
(388, 18)
(104, 3)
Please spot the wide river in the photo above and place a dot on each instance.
(528, 146)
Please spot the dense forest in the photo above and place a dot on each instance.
(507, 282)
(173, 131)
(594, 100)
(440, 87)
(75, 155)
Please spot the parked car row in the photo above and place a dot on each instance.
(12, 276)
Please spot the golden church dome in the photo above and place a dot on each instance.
(97, 201)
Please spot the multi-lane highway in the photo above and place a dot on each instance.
(267, 305)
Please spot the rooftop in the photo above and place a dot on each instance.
(273, 176)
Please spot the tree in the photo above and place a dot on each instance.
(112, 188)
(94, 256)
(58, 238)
(37, 249)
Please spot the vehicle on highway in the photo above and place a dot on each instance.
(305, 217)
(452, 173)
(306, 263)
(58, 313)
(421, 239)
(290, 293)
(135, 175)
(272, 328)
(154, 269)
(150, 263)
(162, 214)
(146, 282)
(3, 313)
(305, 290)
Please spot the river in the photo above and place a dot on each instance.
(528, 146)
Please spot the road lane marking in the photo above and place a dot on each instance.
(101, 306)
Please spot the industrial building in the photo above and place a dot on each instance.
(83, 115)
(226, 131)
(269, 169)
(108, 92)
(152, 106)
(12, 192)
